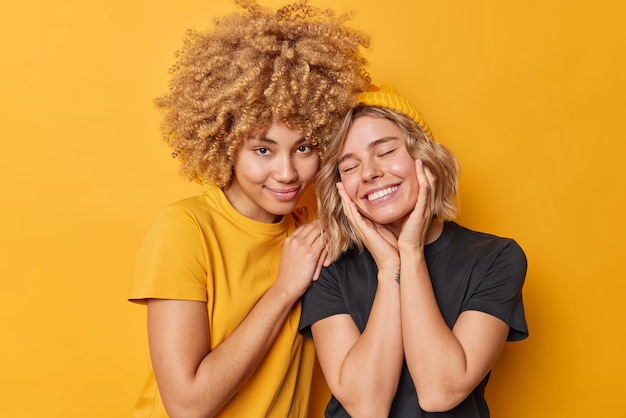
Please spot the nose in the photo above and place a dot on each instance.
(370, 171)
(285, 170)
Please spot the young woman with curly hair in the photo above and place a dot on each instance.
(415, 310)
(252, 105)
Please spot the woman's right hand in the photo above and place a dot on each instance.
(304, 253)
(378, 239)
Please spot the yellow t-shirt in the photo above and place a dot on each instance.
(202, 249)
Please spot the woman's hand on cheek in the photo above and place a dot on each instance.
(379, 240)
(350, 210)
(415, 227)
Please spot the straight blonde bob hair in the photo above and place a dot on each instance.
(439, 159)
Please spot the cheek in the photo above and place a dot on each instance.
(308, 168)
(404, 167)
(250, 171)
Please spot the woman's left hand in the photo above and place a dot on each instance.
(415, 227)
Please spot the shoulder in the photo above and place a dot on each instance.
(487, 255)
(501, 261)
(185, 220)
(497, 270)
(351, 256)
(353, 268)
(199, 208)
(484, 242)
(210, 198)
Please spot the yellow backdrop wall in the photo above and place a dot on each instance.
(530, 96)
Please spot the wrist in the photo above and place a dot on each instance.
(412, 250)
(283, 293)
(389, 275)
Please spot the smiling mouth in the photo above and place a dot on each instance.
(381, 193)
(284, 195)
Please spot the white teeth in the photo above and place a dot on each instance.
(381, 193)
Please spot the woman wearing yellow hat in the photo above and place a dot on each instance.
(415, 309)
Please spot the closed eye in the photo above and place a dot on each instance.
(387, 152)
(348, 168)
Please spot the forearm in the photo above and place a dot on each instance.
(201, 391)
(370, 372)
(435, 357)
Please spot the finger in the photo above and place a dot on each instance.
(320, 264)
(349, 209)
(422, 178)
(423, 193)
(327, 259)
(311, 232)
(430, 176)
(362, 226)
(432, 182)
(345, 199)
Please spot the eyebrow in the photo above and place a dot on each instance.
(370, 146)
(273, 142)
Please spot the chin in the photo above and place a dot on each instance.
(284, 209)
(387, 218)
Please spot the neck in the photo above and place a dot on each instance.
(434, 230)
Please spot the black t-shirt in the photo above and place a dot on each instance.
(469, 271)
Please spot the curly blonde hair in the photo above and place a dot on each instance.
(340, 235)
(299, 65)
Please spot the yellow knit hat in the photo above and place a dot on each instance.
(387, 96)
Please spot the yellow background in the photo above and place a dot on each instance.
(530, 95)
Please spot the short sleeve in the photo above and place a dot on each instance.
(172, 259)
(500, 290)
(321, 300)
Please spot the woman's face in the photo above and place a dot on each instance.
(377, 171)
(271, 173)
